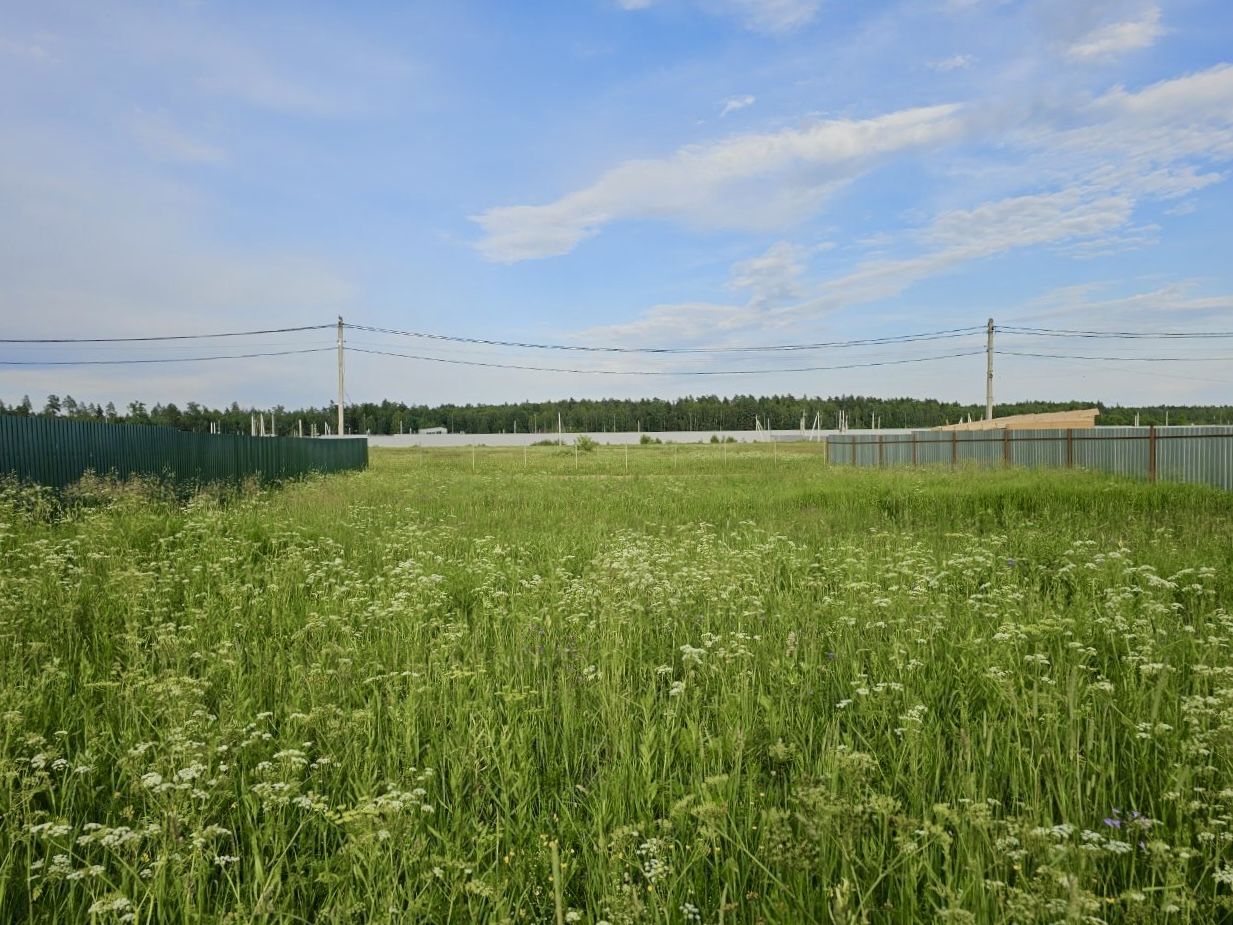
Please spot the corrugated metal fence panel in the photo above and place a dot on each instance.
(1119, 450)
(933, 448)
(1035, 449)
(1195, 454)
(897, 449)
(58, 451)
(979, 446)
(1182, 454)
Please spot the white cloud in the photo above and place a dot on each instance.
(1024, 221)
(1115, 39)
(953, 63)
(736, 103)
(756, 181)
(1128, 149)
(771, 278)
(959, 236)
(32, 50)
(774, 17)
(678, 324)
(293, 66)
(1202, 94)
(1160, 305)
(100, 251)
(166, 141)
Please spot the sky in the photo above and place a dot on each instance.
(628, 173)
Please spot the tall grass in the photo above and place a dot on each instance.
(669, 684)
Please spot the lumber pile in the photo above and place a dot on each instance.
(1050, 420)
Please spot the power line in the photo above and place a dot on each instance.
(164, 337)
(638, 372)
(1146, 335)
(1141, 371)
(862, 342)
(1121, 359)
(155, 349)
(130, 362)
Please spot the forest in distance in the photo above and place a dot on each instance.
(691, 413)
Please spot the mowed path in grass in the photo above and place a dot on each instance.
(667, 684)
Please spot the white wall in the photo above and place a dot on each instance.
(675, 436)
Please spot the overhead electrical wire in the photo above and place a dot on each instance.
(369, 348)
(1130, 335)
(638, 372)
(1144, 371)
(157, 349)
(131, 362)
(162, 337)
(860, 342)
(1119, 359)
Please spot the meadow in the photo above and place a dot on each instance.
(711, 684)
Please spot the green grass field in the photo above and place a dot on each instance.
(670, 685)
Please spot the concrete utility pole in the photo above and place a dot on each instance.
(341, 390)
(989, 372)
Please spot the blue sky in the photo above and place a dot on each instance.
(621, 172)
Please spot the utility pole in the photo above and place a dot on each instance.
(341, 390)
(989, 372)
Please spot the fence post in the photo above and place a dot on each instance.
(1151, 453)
(1006, 447)
(914, 448)
(954, 448)
(853, 444)
(881, 450)
(1070, 448)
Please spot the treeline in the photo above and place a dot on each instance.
(693, 413)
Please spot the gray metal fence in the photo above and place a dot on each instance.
(1180, 454)
(58, 451)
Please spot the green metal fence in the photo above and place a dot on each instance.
(58, 451)
(1179, 454)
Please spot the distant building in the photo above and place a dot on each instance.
(432, 430)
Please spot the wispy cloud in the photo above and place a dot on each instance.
(32, 50)
(1127, 149)
(96, 250)
(166, 141)
(953, 63)
(1115, 39)
(767, 16)
(772, 278)
(756, 181)
(1131, 148)
(775, 16)
(767, 282)
(1083, 303)
(736, 103)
